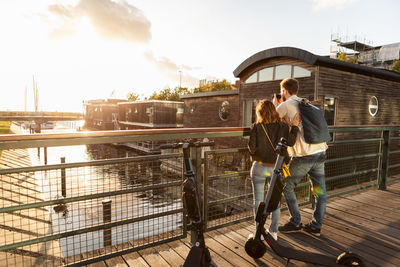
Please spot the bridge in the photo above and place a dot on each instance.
(39, 116)
(127, 211)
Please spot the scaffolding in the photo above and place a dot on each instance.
(364, 52)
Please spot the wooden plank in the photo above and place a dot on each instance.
(226, 253)
(365, 223)
(237, 241)
(370, 212)
(24, 225)
(275, 260)
(347, 241)
(216, 259)
(365, 233)
(235, 247)
(89, 255)
(283, 240)
(180, 248)
(152, 257)
(383, 200)
(249, 228)
(173, 258)
(134, 259)
(116, 262)
(368, 237)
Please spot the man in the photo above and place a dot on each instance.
(307, 159)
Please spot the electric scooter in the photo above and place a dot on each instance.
(199, 255)
(256, 248)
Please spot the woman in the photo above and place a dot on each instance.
(262, 152)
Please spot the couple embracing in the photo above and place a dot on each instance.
(276, 119)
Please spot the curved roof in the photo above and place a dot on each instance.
(315, 60)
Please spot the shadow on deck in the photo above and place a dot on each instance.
(366, 222)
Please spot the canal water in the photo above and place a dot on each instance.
(88, 180)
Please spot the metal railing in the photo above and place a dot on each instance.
(82, 212)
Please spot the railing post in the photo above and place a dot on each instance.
(63, 182)
(107, 219)
(384, 164)
(195, 154)
(45, 155)
(205, 190)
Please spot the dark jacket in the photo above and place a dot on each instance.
(259, 146)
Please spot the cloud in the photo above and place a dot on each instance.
(326, 4)
(171, 69)
(113, 20)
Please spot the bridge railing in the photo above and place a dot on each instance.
(40, 116)
(81, 212)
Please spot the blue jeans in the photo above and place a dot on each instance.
(259, 175)
(314, 165)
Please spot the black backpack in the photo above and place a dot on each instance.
(315, 127)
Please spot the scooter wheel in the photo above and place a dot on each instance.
(255, 248)
(350, 259)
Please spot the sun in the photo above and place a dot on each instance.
(84, 29)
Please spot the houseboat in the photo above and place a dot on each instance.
(101, 114)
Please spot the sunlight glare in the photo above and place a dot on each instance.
(84, 29)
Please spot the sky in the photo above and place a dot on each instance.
(79, 50)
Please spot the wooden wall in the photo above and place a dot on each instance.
(206, 111)
(99, 116)
(353, 92)
(156, 114)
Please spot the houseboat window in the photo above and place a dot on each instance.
(373, 106)
(247, 112)
(265, 74)
(329, 110)
(283, 71)
(252, 78)
(299, 72)
(149, 111)
(224, 110)
(278, 73)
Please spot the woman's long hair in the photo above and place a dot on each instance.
(266, 112)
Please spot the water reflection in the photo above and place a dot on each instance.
(84, 181)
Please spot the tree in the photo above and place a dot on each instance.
(396, 65)
(343, 57)
(170, 95)
(216, 86)
(132, 96)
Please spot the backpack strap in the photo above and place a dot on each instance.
(269, 139)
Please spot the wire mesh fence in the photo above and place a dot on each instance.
(351, 164)
(65, 213)
(228, 194)
(394, 154)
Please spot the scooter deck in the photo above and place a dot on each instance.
(304, 256)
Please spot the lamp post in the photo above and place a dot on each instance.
(180, 78)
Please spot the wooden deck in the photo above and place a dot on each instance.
(366, 222)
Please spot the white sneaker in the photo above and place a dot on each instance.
(273, 234)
